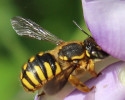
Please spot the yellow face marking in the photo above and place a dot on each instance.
(31, 59)
(40, 54)
(87, 53)
(78, 57)
(48, 70)
(63, 57)
(32, 78)
(25, 66)
(58, 68)
(27, 84)
(40, 73)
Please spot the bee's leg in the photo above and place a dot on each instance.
(91, 68)
(78, 84)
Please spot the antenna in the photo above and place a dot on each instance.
(81, 28)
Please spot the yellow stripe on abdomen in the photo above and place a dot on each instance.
(32, 78)
(27, 84)
(48, 70)
(25, 66)
(40, 73)
(58, 68)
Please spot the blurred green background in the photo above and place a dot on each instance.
(54, 15)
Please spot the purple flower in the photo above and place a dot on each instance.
(106, 21)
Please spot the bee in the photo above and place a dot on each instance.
(51, 70)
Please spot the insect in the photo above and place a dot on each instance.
(51, 70)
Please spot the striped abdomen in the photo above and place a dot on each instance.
(38, 70)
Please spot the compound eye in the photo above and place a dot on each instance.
(94, 54)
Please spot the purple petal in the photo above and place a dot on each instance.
(36, 97)
(110, 85)
(106, 21)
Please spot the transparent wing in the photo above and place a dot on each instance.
(29, 28)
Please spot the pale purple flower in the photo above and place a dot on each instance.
(106, 21)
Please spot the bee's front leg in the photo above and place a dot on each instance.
(91, 68)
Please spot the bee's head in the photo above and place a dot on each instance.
(94, 51)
